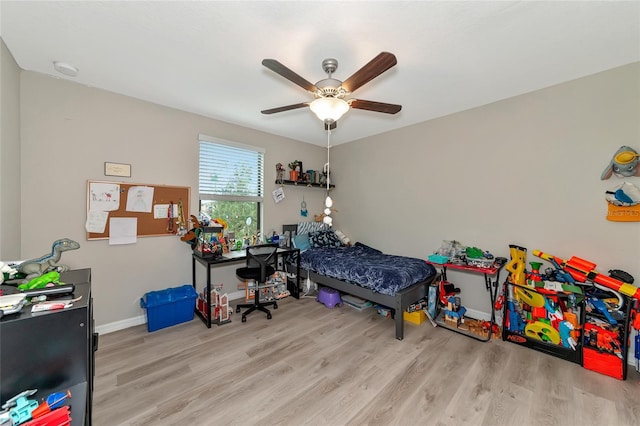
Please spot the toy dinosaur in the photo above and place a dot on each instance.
(49, 262)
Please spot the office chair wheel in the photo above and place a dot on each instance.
(275, 305)
(238, 310)
(268, 316)
(244, 318)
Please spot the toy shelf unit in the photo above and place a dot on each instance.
(452, 315)
(606, 333)
(545, 317)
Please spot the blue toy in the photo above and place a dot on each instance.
(565, 328)
(553, 311)
(599, 305)
(21, 407)
(516, 323)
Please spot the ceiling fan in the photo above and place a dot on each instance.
(330, 103)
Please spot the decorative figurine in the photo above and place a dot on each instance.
(280, 172)
(623, 164)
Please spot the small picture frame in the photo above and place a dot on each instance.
(117, 169)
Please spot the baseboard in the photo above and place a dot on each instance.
(121, 325)
(479, 315)
(142, 319)
(236, 295)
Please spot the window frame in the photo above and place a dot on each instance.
(258, 197)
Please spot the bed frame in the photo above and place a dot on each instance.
(398, 302)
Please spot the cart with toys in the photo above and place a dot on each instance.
(451, 313)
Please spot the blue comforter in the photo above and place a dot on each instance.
(367, 267)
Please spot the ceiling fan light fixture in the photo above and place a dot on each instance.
(329, 109)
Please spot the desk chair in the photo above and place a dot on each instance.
(261, 264)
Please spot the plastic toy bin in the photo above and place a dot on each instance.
(169, 307)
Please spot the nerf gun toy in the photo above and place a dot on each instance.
(516, 323)
(599, 306)
(583, 270)
(516, 265)
(603, 339)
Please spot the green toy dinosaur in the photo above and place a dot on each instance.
(41, 281)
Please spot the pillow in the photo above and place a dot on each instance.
(326, 238)
(302, 242)
(308, 227)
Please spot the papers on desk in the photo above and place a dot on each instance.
(12, 303)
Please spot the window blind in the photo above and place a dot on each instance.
(230, 171)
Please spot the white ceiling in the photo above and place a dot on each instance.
(205, 57)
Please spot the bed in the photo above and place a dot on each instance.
(365, 272)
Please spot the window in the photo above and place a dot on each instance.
(232, 184)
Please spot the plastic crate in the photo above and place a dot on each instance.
(417, 317)
(169, 307)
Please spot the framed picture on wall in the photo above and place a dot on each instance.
(117, 169)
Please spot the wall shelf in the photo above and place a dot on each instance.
(301, 183)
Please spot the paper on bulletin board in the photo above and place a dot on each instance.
(140, 199)
(104, 196)
(123, 230)
(96, 221)
(161, 211)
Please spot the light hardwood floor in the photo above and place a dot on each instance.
(318, 366)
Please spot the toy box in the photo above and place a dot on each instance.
(169, 307)
(531, 319)
(437, 258)
(208, 244)
(417, 317)
(356, 302)
(603, 363)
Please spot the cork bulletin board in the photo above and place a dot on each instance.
(149, 206)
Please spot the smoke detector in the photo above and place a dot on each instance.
(66, 69)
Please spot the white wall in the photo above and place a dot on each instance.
(521, 171)
(524, 171)
(69, 131)
(9, 155)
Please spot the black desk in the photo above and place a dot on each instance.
(237, 256)
(52, 351)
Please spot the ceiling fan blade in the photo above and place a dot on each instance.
(285, 108)
(371, 70)
(375, 106)
(285, 72)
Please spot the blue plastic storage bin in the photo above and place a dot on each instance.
(169, 307)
